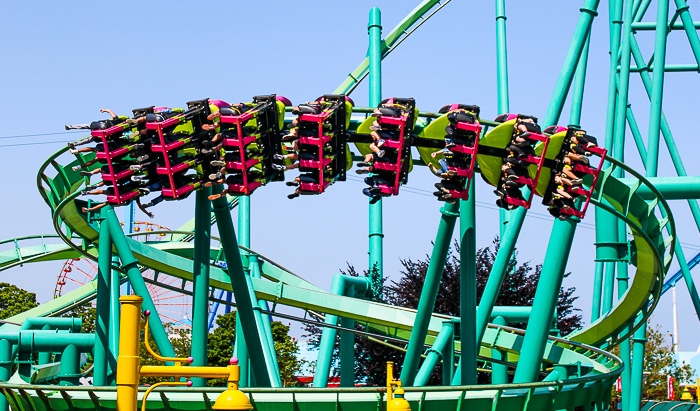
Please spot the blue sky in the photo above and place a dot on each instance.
(63, 61)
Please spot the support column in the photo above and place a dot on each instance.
(262, 367)
(114, 292)
(104, 269)
(376, 235)
(657, 89)
(499, 372)
(244, 240)
(347, 353)
(429, 293)
(637, 374)
(502, 85)
(444, 338)
(467, 281)
(545, 302)
(6, 369)
(130, 266)
(200, 274)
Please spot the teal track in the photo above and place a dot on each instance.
(76, 237)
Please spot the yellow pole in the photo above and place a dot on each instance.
(129, 360)
(697, 390)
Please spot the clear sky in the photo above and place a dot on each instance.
(63, 61)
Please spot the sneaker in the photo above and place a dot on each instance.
(144, 191)
(217, 163)
(590, 145)
(380, 153)
(278, 156)
(584, 160)
(380, 142)
(76, 168)
(142, 158)
(138, 146)
(362, 171)
(524, 134)
(451, 200)
(206, 151)
(138, 178)
(73, 151)
(85, 173)
(375, 190)
(135, 167)
(277, 167)
(70, 145)
(375, 199)
(451, 174)
(562, 218)
(363, 164)
(577, 181)
(292, 184)
(215, 176)
(288, 137)
(293, 195)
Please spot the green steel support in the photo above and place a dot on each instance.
(264, 318)
(426, 303)
(588, 12)
(502, 83)
(499, 372)
(104, 268)
(622, 283)
(114, 310)
(448, 356)
(69, 370)
(636, 134)
(434, 354)
(376, 235)
(689, 26)
(130, 266)
(467, 281)
(346, 286)
(579, 85)
(347, 353)
(636, 377)
(5, 369)
(262, 365)
(545, 302)
(200, 275)
(44, 357)
(244, 234)
(657, 89)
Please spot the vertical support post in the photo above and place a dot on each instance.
(347, 353)
(433, 354)
(429, 293)
(622, 283)
(502, 84)
(129, 358)
(69, 370)
(579, 85)
(5, 369)
(499, 372)
(262, 304)
(130, 265)
(240, 345)
(376, 235)
(545, 301)
(262, 365)
(114, 292)
(637, 377)
(448, 355)
(200, 274)
(328, 336)
(104, 268)
(129, 220)
(467, 281)
(657, 89)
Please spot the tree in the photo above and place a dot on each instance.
(518, 289)
(660, 361)
(14, 300)
(223, 338)
(87, 313)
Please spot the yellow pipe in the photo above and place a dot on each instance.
(129, 360)
(159, 384)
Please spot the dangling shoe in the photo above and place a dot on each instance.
(76, 168)
(293, 195)
(576, 181)
(292, 184)
(135, 167)
(73, 151)
(363, 164)
(277, 167)
(380, 142)
(375, 199)
(215, 176)
(142, 158)
(375, 190)
(278, 156)
(584, 160)
(217, 163)
(451, 174)
(138, 178)
(144, 191)
(206, 151)
(362, 171)
(85, 173)
(381, 153)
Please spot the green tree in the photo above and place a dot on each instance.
(88, 314)
(223, 338)
(14, 300)
(518, 289)
(660, 361)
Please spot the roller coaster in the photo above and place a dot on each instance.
(224, 153)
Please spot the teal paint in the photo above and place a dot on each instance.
(657, 89)
(434, 354)
(499, 372)
(426, 303)
(130, 265)
(545, 302)
(104, 269)
(200, 274)
(376, 235)
(467, 281)
(502, 84)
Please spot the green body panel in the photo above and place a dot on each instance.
(499, 137)
(363, 128)
(553, 149)
(435, 131)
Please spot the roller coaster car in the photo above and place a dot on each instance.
(173, 129)
(395, 164)
(576, 191)
(322, 144)
(247, 129)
